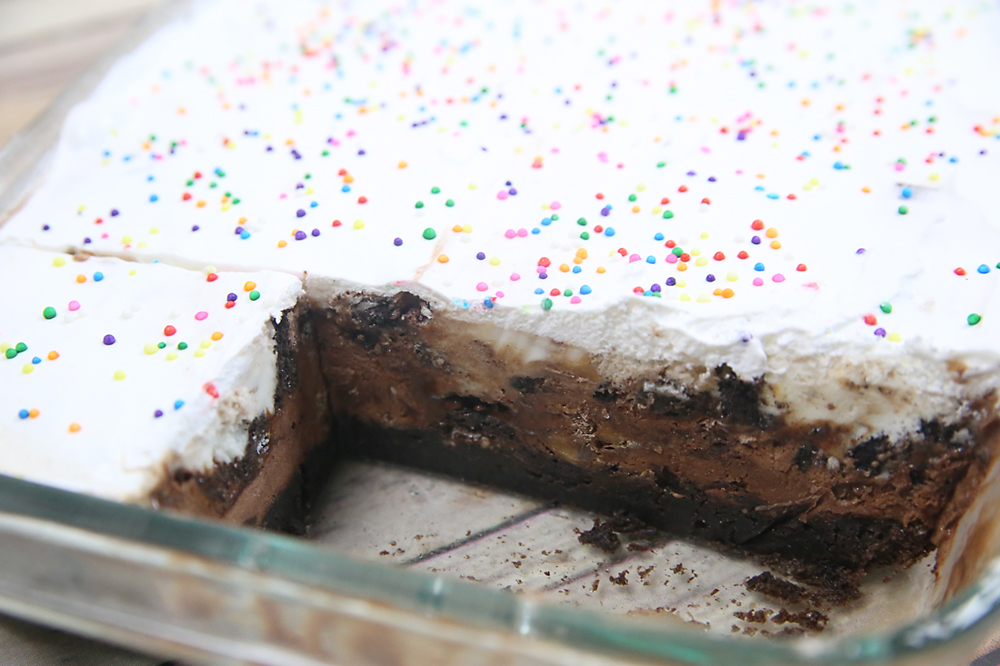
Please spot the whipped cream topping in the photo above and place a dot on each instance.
(800, 192)
(113, 373)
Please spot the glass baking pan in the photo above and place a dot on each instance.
(405, 567)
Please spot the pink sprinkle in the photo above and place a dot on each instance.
(482, 286)
(540, 269)
(282, 196)
(499, 294)
(575, 299)
(201, 315)
(501, 195)
(522, 232)
(602, 156)
(757, 282)
(671, 258)
(555, 205)
(510, 233)
(778, 277)
(514, 277)
(900, 166)
(74, 306)
(634, 257)
(350, 132)
(621, 166)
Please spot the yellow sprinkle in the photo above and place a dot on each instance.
(205, 344)
(171, 356)
(682, 283)
(472, 186)
(142, 244)
(27, 368)
(442, 258)
(934, 176)
(600, 269)
(775, 245)
(494, 261)
(154, 230)
(704, 235)
(249, 286)
(58, 261)
(545, 206)
(700, 261)
(80, 209)
(74, 427)
(358, 224)
(198, 353)
(685, 297)
(119, 375)
(132, 272)
(467, 228)
(895, 337)
(4, 346)
(150, 348)
(657, 210)
(681, 266)
(733, 277)
(217, 336)
(126, 240)
(310, 190)
(694, 252)
(704, 298)
(641, 187)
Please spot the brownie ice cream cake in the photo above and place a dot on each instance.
(727, 267)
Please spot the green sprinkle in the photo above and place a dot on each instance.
(182, 345)
(974, 319)
(667, 214)
(236, 201)
(420, 204)
(161, 345)
(660, 165)
(308, 176)
(430, 234)
(189, 183)
(435, 190)
(585, 236)
(49, 312)
(449, 203)
(903, 210)
(554, 217)
(677, 251)
(10, 353)
(582, 221)
(568, 292)
(631, 197)
(213, 184)
(886, 307)
(326, 153)
(21, 347)
(546, 303)
(228, 194)
(254, 295)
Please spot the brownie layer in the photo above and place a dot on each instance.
(269, 486)
(536, 416)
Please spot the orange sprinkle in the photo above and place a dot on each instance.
(442, 258)
(681, 266)
(348, 178)
(775, 245)
(282, 243)
(402, 164)
(577, 260)
(216, 336)
(249, 286)
(582, 253)
(717, 292)
(74, 427)
(600, 269)
(201, 204)
(772, 233)
(457, 228)
(33, 413)
(53, 355)
(635, 209)
(728, 293)
(81, 278)
(564, 268)
(866, 189)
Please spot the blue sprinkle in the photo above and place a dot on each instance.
(609, 232)
(759, 267)
(953, 160)
(650, 259)
(577, 269)
(149, 178)
(98, 276)
(536, 231)
(488, 302)
(585, 289)
(907, 192)
(755, 240)
(772, 195)
(153, 197)
(313, 204)
(244, 234)
(759, 188)
(24, 413)
(178, 404)
(658, 237)
(984, 269)
(36, 361)
(838, 165)
(345, 188)
(546, 221)
(539, 291)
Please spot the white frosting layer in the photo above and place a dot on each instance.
(820, 122)
(81, 414)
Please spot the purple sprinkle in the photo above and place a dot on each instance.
(86, 241)
(195, 228)
(605, 211)
(231, 297)
(158, 413)
(300, 213)
(671, 282)
(742, 135)
(880, 332)
(361, 152)
(746, 337)
(45, 227)
(109, 339)
(295, 154)
(238, 231)
(512, 191)
(655, 288)
(542, 276)
(691, 173)
(315, 232)
(299, 186)
(300, 235)
(861, 250)
(709, 278)
(114, 212)
(269, 149)
(480, 256)
(503, 116)
(755, 240)
(508, 183)
(397, 242)
(711, 179)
